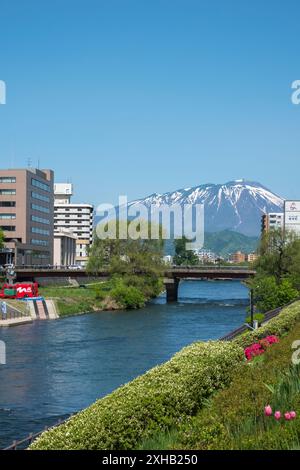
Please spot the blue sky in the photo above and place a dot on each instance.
(135, 97)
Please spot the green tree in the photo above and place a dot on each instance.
(182, 255)
(278, 270)
(278, 251)
(136, 262)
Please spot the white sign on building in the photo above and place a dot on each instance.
(292, 216)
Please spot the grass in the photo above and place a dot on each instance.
(234, 417)
(18, 305)
(76, 300)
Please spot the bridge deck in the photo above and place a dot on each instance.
(180, 272)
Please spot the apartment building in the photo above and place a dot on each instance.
(272, 221)
(252, 257)
(78, 218)
(26, 216)
(238, 257)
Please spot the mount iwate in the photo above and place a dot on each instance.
(236, 205)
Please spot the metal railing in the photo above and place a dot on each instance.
(25, 443)
(48, 267)
(267, 317)
(12, 313)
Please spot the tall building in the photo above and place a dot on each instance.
(272, 221)
(26, 216)
(77, 218)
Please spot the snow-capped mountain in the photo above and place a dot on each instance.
(236, 205)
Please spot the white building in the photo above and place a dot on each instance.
(77, 218)
(64, 253)
(206, 256)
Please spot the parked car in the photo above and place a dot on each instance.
(75, 267)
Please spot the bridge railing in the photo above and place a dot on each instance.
(212, 268)
(48, 267)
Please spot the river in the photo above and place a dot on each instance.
(61, 366)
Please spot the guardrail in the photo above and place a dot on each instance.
(24, 443)
(268, 316)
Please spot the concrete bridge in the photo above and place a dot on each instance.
(172, 275)
(175, 274)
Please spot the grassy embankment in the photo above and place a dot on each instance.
(71, 300)
(206, 397)
(115, 294)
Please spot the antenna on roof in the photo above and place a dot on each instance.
(29, 162)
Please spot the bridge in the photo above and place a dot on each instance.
(175, 274)
(172, 275)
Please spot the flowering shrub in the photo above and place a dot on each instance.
(259, 348)
(156, 400)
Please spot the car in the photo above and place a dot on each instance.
(75, 267)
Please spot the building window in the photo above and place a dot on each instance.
(40, 220)
(8, 204)
(40, 231)
(40, 185)
(41, 255)
(7, 216)
(7, 192)
(8, 228)
(34, 241)
(36, 207)
(7, 179)
(40, 197)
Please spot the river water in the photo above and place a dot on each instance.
(58, 367)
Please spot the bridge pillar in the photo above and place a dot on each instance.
(171, 285)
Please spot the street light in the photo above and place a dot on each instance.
(251, 306)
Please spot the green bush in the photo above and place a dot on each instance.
(156, 400)
(127, 296)
(100, 294)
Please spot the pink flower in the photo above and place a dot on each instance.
(287, 416)
(268, 410)
(277, 415)
(293, 414)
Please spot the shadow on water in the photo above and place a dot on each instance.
(55, 368)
